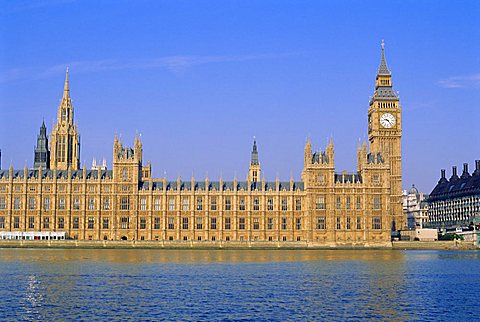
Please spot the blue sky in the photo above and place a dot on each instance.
(199, 79)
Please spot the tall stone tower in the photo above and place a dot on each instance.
(42, 154)
(65, 139)
(385, 135)
(254, 169)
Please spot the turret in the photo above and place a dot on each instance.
(361, 155)
(330, 152)
(138, 147)
(307, 153)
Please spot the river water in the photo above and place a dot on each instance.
(296, 285)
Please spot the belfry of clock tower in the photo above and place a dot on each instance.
(385, 134)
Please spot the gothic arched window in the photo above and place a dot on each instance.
(64, 114)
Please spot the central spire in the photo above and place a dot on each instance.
(66, 89)
(43, 128)
(65, 139)
(254, 159)
(254, 170)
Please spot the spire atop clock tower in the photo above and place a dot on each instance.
(384, 76)
(383, 68)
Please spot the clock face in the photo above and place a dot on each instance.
(387, 120)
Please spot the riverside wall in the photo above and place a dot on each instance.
(399, 245)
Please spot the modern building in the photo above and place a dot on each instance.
(455, 202)
(127, 203)
(415, 208)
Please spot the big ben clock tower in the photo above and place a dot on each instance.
(385, 135)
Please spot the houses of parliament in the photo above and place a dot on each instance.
(126, 203)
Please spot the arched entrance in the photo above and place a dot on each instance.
(124, 238)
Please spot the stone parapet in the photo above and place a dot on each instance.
(187, 244)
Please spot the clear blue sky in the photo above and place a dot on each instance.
(199, 79)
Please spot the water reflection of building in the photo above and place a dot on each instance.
(415, 208)
(455, 202)
(127, 203)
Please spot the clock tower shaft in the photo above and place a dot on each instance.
(385, 135)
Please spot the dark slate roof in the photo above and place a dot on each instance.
(270, 185)
(375, 158)
(348, 177)
(384, 92)
(4, 174)
(298, 186)
(214, 185)
(185, 185)
(456, 187)
(157, 185)
(242, 185)
(284, 185)
(319, 157)
(227, 185)
(90, 174)
(171, 185)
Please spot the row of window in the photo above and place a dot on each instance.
(348, 224)
(125, 203)
(32, 203)
(198, 224)
(199, 205)
(199, 238)
(321, 204)
(375, 179)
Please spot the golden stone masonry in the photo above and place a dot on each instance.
(127, 203)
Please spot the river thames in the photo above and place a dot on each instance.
(73, 284)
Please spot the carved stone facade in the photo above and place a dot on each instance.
(127, 203)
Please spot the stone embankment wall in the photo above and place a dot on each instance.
(183, 244)
(435, 245)
(400, 245)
